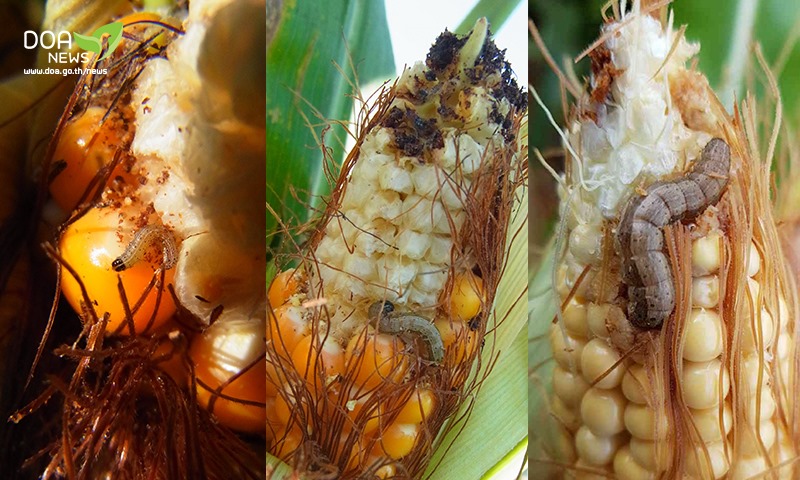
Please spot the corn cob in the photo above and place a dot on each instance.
(706, 393)
(171, 115)
(388, 310)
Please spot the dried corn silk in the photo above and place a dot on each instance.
(674, 345)
(416, 229)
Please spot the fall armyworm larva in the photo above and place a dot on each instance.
(645, 265)
(389, 321)
(142, 241)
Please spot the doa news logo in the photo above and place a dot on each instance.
(103, 41)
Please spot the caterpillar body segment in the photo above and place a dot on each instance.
(386, 320)
(144, 239)
(645, 265)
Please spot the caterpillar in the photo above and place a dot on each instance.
(142, 241)
(645, 266)
(386, 320)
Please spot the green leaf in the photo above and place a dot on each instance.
(305, 90)
(94, 42)
(114, 31)
(88, 43)
(498, 422)
(496, 11)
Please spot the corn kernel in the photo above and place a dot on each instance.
(645, 423)
(467, 297)
(419, 407)
(603, 411)
(707, 422)
(596, 450)
(701, 384)
(221, 353)
(705, 291)
(626, 467)
(311, 357)
(569, 387)
(283, 286)
(287, 326)
(375, 358)
(398, 440)
(599, 359)
(703, 336)
(706, 254)
(85, 146)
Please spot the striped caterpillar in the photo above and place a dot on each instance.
(386, 320)
(645, 266)
(142, 241)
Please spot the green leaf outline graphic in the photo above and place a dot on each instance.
(94, 42)
(90, 44)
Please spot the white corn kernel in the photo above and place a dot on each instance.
(603, 411)
(600, 360)
(750, 340)
(753, 261)
(636, 385)
(585, 244)
(703, 339)
(747, 468)
(706, 254)
(568, 417)
(714, 466)
(707, 422)
(645, 423)
(627, 468)
(701, 384)
(596, 450)
(566, 348)
(596, 319)
(653, 456)
(751, 445)
(570, 387)
(705, 291)
(574, 316)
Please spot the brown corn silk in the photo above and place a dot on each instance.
(659, 405)
(425, 114)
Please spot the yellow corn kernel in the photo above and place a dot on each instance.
(311, 357)
(86, 144)
(283, 286)
(375, 358)
(287, 326)
(398, 440)
(467, 297)
(419, 407)
(229, 360)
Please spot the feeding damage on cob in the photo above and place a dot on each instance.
(374, 337)
(152, 167)
(675, 341)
